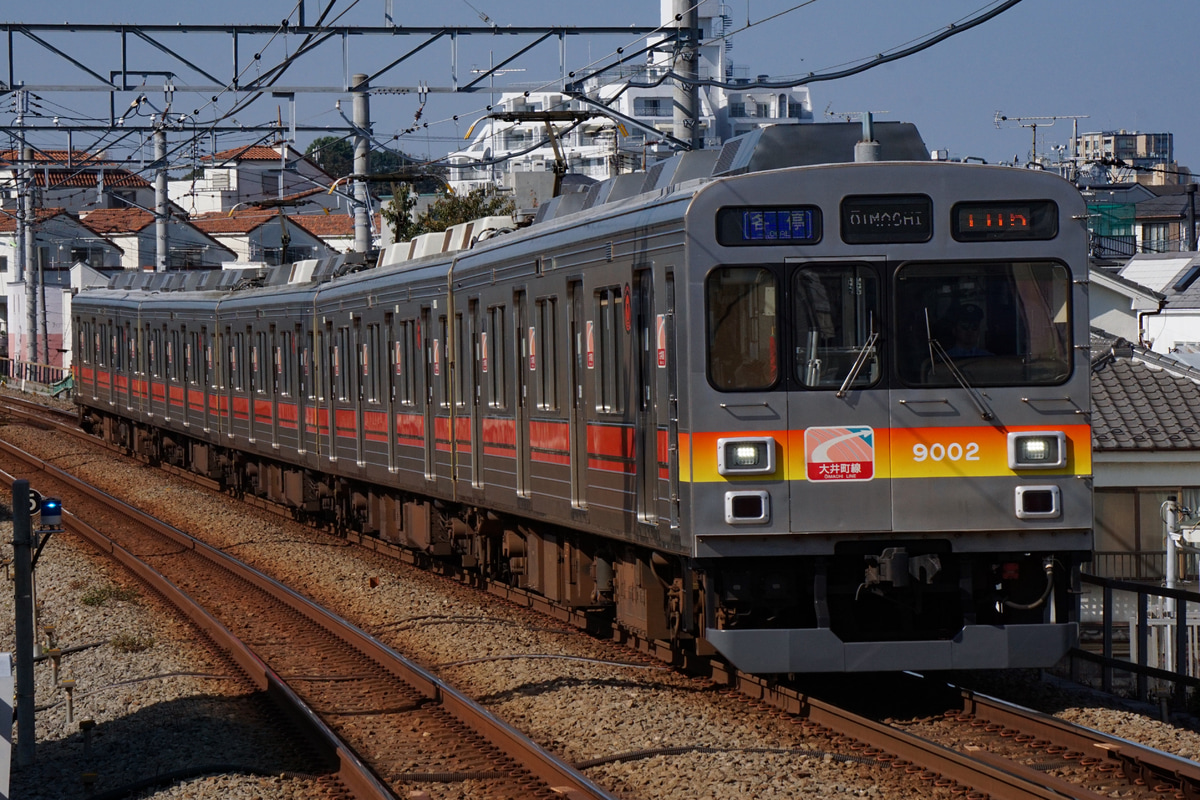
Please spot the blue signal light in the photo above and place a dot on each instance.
(51, 512)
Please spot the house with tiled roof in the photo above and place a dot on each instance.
(61, 240)
(335, 229)
(1145, 448)
(266, 235)
(253, 174)
(73, 180)
(135, 231)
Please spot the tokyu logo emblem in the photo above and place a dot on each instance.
(840, 454)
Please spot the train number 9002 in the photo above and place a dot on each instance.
(946, 452)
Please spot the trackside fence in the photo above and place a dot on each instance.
(43, 377)
(1138, 640)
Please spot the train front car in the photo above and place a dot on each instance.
(888, 439)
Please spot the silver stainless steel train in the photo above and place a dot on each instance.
(816, 415)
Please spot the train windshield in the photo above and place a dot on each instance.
(997, 323)
(836, 313)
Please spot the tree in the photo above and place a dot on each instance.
(335, 155)
(397, 212)
(451, 209)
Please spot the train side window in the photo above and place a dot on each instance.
(610, 321)
(316, 357)
(236, 363)
(260, 359)
(173, 363)
(403, 359)
(441, 362)
(374, 354)
(342, 364)
(154, 351)
(462, 362)
(545, 355)
(495, 355)
(741, 327)
(132, 337)
(212, 358)
(282, 366)
(836, 314)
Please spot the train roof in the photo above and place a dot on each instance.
(768, 148)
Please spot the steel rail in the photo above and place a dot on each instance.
(1136, 760)
(560, 776)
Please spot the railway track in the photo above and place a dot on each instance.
(383, 721)
(1069, 762)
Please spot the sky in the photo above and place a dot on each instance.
(1117, 65)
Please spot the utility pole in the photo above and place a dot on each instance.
(686, 117)
(1191, 216)
(31, 293)
(362, 124)
(45, 317)
(162, 242)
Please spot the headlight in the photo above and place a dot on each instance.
(1041, 450)
(746, 456)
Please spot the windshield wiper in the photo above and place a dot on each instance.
(867, 351)
(936, 349)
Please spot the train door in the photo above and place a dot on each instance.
(577, 369)
(328, 388)
(188, 374)
(141, 385)
(838, 420)
(275, 377)
(393, 360)
(127, 356)
(429, 346)
(302, 360)
(474, 356)
(666, 357)
(254, 381)
(202, 373)
(523, 339)
(645, 422)
(359, 356)
(230, 367)
(215, 355)
(171, 378)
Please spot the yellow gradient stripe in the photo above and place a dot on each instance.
(960, 452)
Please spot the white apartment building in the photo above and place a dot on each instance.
(600, 148)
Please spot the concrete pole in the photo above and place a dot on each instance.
(1191, 217)
(362, 121)
(1172, 548)
(162, 243)
(686, 100)
(23, 587)
(31, 294)
(45, 317)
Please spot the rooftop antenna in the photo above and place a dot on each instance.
(1033, 122)
(850, 116)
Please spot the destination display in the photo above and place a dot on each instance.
(743, 225)
(887, 219)
(979, 222)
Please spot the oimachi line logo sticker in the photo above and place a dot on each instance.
(840, 454)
